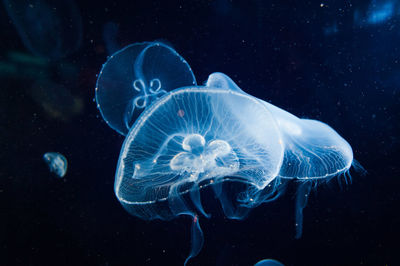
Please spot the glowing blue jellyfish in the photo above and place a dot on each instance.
(134, 77)
(191, 138)
(268, 262)
(218, 135)
(57, 163)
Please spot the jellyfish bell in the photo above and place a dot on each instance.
(134, 77)
(195, 137)
(313, 151)
(217, 137)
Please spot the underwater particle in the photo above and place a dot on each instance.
(57, 163)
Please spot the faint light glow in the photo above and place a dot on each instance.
(330, 30)
(380, 12)
(289, 127)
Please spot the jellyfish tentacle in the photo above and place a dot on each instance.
(197, 239)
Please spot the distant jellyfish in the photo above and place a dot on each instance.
(313, 151)
(56, 100)
(268, 262)
(51, 29)
(57, 163)
(134, 77)
(195, 137)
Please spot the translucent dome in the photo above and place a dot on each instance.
(134, 77)
(191, 138)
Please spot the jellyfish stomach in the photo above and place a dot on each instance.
(146, 92)
(201, 160)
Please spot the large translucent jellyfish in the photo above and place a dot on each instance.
(191, 138)
(134, 77)
(313, 150)
(214, 135)
(56, 162)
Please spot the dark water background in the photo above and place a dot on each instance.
(335, 61)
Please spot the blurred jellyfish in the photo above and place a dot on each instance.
(57, 163)
(19, 65)
(110, 32)
(52, 29)
(268, 262)
(56, 100)
(134, 77)
(378, 12)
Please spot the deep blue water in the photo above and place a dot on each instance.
(335, 61)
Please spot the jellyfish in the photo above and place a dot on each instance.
(57, 163)
(195, 137)
(56, 100)
(268, 262)
(134, 77)
(313, 151)
(51, 29)
(216, 135)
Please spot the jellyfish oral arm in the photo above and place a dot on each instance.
(303, 193)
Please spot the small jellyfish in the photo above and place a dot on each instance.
(268, 262)
(57, 163)
(134, 77)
